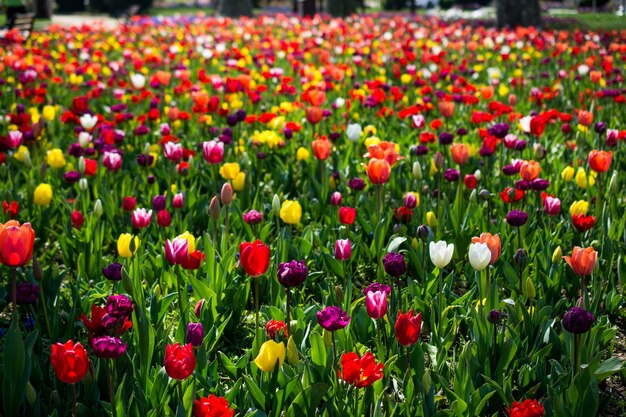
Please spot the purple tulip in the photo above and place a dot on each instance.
(333, 318)
(292, 274)
(376, 304)
(108, 347)
(578, 320)
(451, 175)
(253, 217)
(343, 251)
(357, 184)
(158, 202)
(119, 306)
(113, 272)
(195, 334)
(394, 265)
(516, 218)
(26, 293)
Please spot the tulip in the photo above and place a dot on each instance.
(11, 210)
(460, 153)
(394, 264)
(578, 320)
(479, 256)
(108, 347)
(358, 371)
(229, 171)
(173, 151)
(112, 161)
(88, 122)
(213, 152)
(529, 170)
(582, 261)
(378, 171)
(180, 361)
(129, 203)
(291, 212)
(55, 158)
(141, 218)
(239, 182)
(212, 406)
(292, 274)
(527, 408)
(347, 215)
(16, 243)
(176, 251)
(26, 293)
(178, 201)
(321, 148)
(516, 218)
(335, 198)
(270, 353)
(195, 334)
(276, 327)
(124, 243)
(579, 207)
(113, 272)
(253, 217)
(14, 139)
(42, 195)
(551, 205)
(441, 253)
(411, 200)
(376, 304)
(493, 242)
(159, 202)
(254, 257)
(408, 328)
(77, 219)
(302, 154)
(600, 161)
(343, 250)
(69, 361)
(333, 318)
(354, 131)
(582, 223)
(138, 81)
(226, 195)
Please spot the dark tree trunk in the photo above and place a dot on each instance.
(43, 9)
(235, 8)
(514, 13)
(341, 8)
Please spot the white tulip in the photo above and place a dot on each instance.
(87, 121)
(524, 123)
(138, 81)
(354, 131)
(479, 256)
(84, 139)
(340, 102)
(441, 253)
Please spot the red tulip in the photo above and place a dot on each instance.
(347, 215)
(360, 372)
(378, 171)
(254, 257)
(582, 222)
(129, 203)
(77, 219)
(408, 328)
(313, 115)
(600, 161)
(212, 406)
(11, 209)
(180, 361)
(70, 361)
(16, 243)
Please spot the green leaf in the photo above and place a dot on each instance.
(257, 396)
(307, 401)
(608, 368)
(318, 350)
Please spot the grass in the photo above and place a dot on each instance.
(179, 10)
(601, 21)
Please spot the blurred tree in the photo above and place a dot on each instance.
(341, 7)
(43, 9)
(235, 8)
(514, 13)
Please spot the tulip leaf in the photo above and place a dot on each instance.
(257, 395)
(395, 244)
(318, 350)
(608, 368)
(307, 401)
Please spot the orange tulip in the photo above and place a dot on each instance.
(384, 150)
(16, 243)
(595, 76)
(486, 92)
(321, 148)
(446, 108)
(582, 260)
(529, 170)
(585, 118)
(459, 152)
(378, 171)
(600, 161)
(493, 243)
(313, 115)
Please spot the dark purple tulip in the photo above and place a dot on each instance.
(151, 179)
(71, 176)
(499, 130)
(108, 347)
(522, 185)
(158, 202)
(113, 271)
(231, 120)
(600, 127)
(288, 133)
(520, 145)
(422, 231)
(333, 318)
(451, 175)
(540, 184)
(376, 286)
(394, 265)
(253, 217)
(445, 138)
(510, 169)
(485, 151)
(461, 131)
(195, 334)
(241, 115)
(421, 150)
(119, 306)
(494, 316)
(26, 293)
(292, 274)
(577, 320)
(516, 218)
(357, 184)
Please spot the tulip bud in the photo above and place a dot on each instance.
(398, 228)
(83, 184)
(530, 289)
(227, 194)
(422, 232)
(431, 219)
(37, 271)
(417, 170)
(190, 161)
(27, 161)
(97, 208)
(276, 205)
(439, 161)
(81, 165)
(31, 395)
(55, 399)
(338, 292)
(292, 351)
(520, 257)
(198, 308)
(557, 255)
(214, 209)
(414, 243)
(614, 183)
(335, 198)
(146, 149)
(539, 151)
(478, 175)
(494, 316)
(484, 194)
(473, 196)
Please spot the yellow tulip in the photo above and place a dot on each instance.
(431, 219)
(43, 194)
(239, 182)
(230, 170)
(291, 212)
(124, 245)
(270, 353)
(55, 158)
(302, 154)
(22, 154)
(49, 113)
(579, 207)
(567, 174)
(581, 178)
(191, 241)
(433, 168)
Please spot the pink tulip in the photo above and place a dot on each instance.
(173, 151)
(178, 201)
(343, 251)
(14, 139)
(112, 161)
(213, 151)
(418, 121)
(176, 251)
(552, 205)
(141, 218)
(376, 304)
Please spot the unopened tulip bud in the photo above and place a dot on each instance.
(520, 257)
(214, 208)
(530, 289)
(398, 229)
(37, 270)
(97, 208)
(473, 196)
(338, 292)
(198, 308)
(146, 149)
(227, 194)
(494, 316)
(439, 161)
(190, 161)
(539, 151)
(81, 165)
(276, 205)
(31, 395)
(431, 219)
(292, 351)
(27, 161)
(484, 194)
(335, 198)
(422, 231)
(557, 255)
(83, 184)
(614, 183)
(417, 170)
(478, 175)
(55, 399)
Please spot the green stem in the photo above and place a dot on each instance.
(180, 295)
(288, 308)
(14, 289)
(74, 412)
(256, 302)
(110, 382)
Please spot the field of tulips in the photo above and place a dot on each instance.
(378, 216)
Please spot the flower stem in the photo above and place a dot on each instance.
(110, 381)
(74, 412)
(334, 351)
(256, 302)
(14, 289)
(180, 393)
(576, 353)
(288, 308)
(180, 296)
